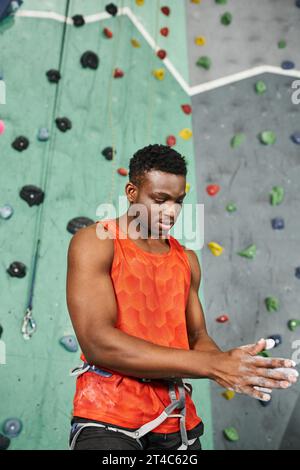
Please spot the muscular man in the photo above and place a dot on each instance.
(132, 295)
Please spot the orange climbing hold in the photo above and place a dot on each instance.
(108, 33)
(122, 171)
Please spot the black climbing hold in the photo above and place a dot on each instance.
(296, 138)
(53, 76)
(78, 20)
(277, 223)
(17, 269)
(69, 342)
(108, 153)
(297, 3)
(89, 59)
(297, 272)
(4, 442)
(288, 65)
(12, 427)
(9, 7)
(20, 143)
(32, 195)
(112, 9)
(63, 124)
(277, 339)
(77, 223)
(1, 330)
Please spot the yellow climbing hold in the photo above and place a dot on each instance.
(228, 394)
(187, 187)
(200, 40)
(139, 2)
(215, 248)
(186, 134)
(159, 74)
(196, 1)
(135, 43)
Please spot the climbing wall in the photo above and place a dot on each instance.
(57, 134)
(246, 134)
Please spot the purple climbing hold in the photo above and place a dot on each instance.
(288, 65)
(12, 427)
(277, 223)
(296, 137)
(297, 272)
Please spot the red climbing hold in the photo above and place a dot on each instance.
(122, 171)
(222, 319)
(118, 73)
(212, 189)
(165, 10)
(164, 32)
(171, 140)
(161, 54)
(108, 33)
(186, 108)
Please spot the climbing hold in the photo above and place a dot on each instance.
(164, 32)
(78, 20)
(166, 11)
(2, 127)
(69, 342)
(294, 137)
(212, 189)
(204, 62)
(196, 1)
(4, 442)
(9, 7)
(277, 223)
(139, 2)
(237, 140)
(1, 330)
(272, 304)
(276, 195)
(32, 195)
(135, 43)
(265, 402)
(200, 41)
(297, 3)
(248, 252)
(89, 59)
(112, 9)
(267, 137)
(228, 394)
(16, 269)
(171, 140)
(260, 87)
(186, 134)
(107, 33)
(43, 134)
(63, 124)
(122, 171)
(187, 187)
(226, 18)
(108, 153)
(118, 73)
(161, 54)
(215, 248)
(231, 207)
(77, 223)
(293, 324)
(222, 319)
(6, 211)
(221, 2)
(263, 354)
(297, 272)
(20, 143)
(186, 108)
(53, 76)
(287, 65)
(281, 44)
(231, 434)
(159, 74)
(12, 427)
(277, 339)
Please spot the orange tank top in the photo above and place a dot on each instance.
(151, 292)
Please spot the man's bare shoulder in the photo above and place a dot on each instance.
(194, 261)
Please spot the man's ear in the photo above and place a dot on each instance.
(131, 191)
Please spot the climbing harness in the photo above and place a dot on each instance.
(147, 427)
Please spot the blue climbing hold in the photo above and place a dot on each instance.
(297, 272)
(277, 339)
(296, 138)
(277, 223)
(43, 134)
(12, 427)
(288, 65)
(69, 342)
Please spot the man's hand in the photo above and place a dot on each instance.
(242, 371)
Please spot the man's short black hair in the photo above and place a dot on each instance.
(156, 157)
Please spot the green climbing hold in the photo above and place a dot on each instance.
(281, 44)
(226, 19)
(263, 354)
(231, 207)
(293, 324)
(231, 434)
(276, 195)
(237, 140)
(272, 304)
(267, 137)
(260, 87)
(249, 252)
(221, 2)
(204, 62)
